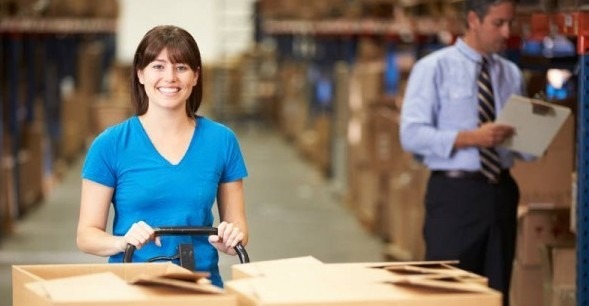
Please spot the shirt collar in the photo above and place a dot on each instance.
(470, 53)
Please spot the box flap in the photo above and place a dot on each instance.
(197, 282)
(89, 287)
(442, 282)
(420, 269)
(383, 264)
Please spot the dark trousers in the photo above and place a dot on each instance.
(474, 222)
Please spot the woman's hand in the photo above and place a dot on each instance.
(138, 235)
(227, 238)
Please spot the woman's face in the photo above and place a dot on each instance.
(167, 85)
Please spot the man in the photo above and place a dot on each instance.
(451, 101)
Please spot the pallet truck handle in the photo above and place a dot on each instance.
(187, 231)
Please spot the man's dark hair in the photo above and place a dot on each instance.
(481, 7)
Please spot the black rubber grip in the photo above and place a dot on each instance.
(187, 231)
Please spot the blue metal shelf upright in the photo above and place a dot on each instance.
(582, 180)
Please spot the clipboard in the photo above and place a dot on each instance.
(536, 123)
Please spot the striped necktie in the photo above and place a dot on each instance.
(490, 164)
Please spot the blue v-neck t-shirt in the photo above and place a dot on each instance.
(147, 187)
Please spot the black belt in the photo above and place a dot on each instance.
(463, 174)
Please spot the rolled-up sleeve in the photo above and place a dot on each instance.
(419, 133)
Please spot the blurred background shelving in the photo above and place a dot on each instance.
(329, 76)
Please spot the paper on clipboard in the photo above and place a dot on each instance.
(536, 123)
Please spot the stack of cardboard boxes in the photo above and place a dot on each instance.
(544, 225)
(292, 281)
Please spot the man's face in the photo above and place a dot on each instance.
(491, 32)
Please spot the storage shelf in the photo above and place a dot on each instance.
(424, 26)
(57, 25)
(537, 24)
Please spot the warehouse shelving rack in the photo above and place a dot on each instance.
(572, 23)
(26, 41)
(575, 25)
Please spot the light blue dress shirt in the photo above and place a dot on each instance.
(441, 100)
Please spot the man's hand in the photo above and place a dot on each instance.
(491, 134)
(486, 136)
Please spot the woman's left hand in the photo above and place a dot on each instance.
(228, 235)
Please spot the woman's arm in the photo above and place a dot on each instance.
(233, 227)
(92, 237)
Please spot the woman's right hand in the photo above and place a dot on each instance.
(138, 235)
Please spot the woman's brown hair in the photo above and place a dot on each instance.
(182, 48)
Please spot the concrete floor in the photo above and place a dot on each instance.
(292, 211)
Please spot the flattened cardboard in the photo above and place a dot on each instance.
(441, 282)
(87, 288)
(436, 273)
(197, 283)
(444, 267)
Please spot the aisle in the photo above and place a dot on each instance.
(290, 208)
(292, 211)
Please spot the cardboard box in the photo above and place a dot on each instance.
(554, 190)
(564, 296)
(262, 268)
(526, 285)
(559, 269)
(109, 284)
(405, 211)
(563, 264)
(304, 282)
(538, 227)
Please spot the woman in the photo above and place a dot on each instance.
(165, 166)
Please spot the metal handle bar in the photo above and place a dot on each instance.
(187, 231)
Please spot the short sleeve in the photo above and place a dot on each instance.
(235, 168)
(99, 161)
